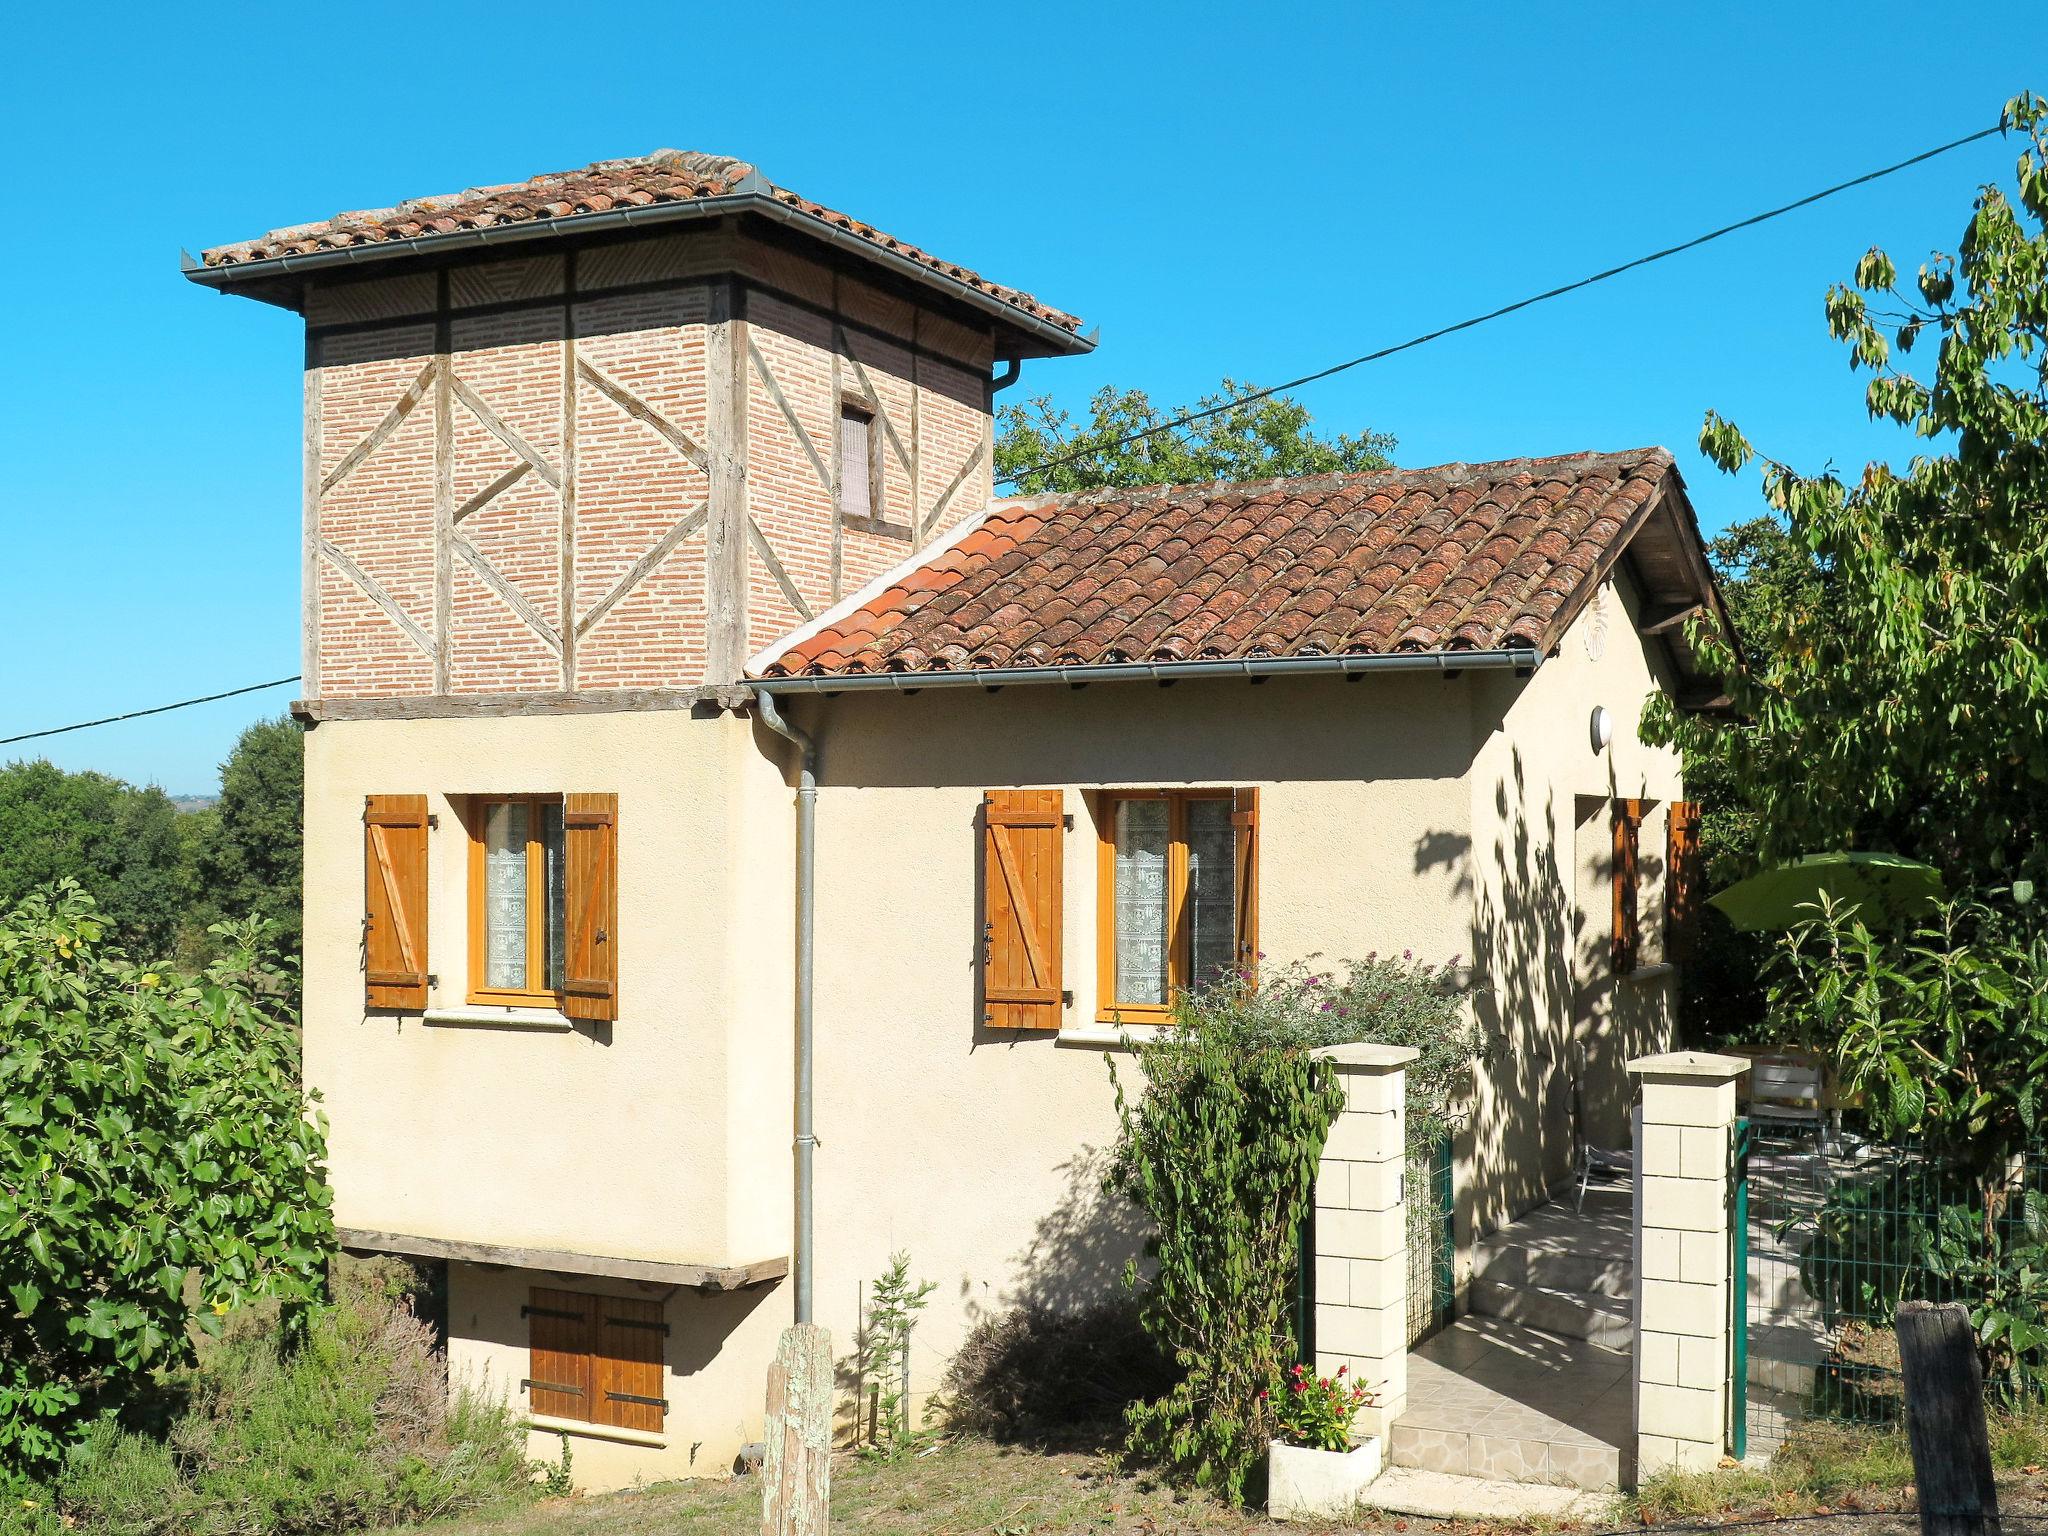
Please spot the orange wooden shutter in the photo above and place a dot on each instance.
(1628, 817)
(559, 1331)
(1682, 879)
(395, 901)
(1022, 841)
(590, 947)
(628, 1369)
(1244, 823)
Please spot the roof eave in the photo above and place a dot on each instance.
(1056, 340)
(1521, 659)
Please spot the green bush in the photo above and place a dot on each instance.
(1220, 1150)
(157, 1166)
(349, 1426)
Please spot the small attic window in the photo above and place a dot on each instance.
(861, 498)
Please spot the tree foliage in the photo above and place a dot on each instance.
(157, 1166)
(124, 845)
(1246, 439)
(251, 863)
(1900, 700)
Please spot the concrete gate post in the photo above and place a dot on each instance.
(1684, 1187)
(1361, 1230)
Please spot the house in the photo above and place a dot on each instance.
(640, 496)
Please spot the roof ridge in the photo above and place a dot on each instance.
(1457, 472)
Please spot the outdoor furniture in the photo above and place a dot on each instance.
(1787, 1091)
(1608, 1162)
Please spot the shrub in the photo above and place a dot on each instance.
(1220, 1150)
(349, 1426)
(157, 1167)
(1053, 1379)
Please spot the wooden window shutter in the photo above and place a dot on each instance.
(395, 901)
(1628, 819)
(559, 1336)
(1022, 841)
(1244, 824)
(629, 1370)
(1683, 877)
(590, 901)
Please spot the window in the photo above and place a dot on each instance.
(1176, 895)
(595, 1358)
(1627, 876)
(859, 474)
(517, 900)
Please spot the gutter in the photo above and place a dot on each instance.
(657, 214)
(1449, 663)
(806, 1144)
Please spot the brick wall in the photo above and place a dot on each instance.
(536, 517)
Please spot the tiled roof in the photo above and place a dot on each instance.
(1459, 557)
(666, 176)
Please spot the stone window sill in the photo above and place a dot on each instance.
(1655, 972)
(1115, 1037)
(479, 1016)
(548, 1424)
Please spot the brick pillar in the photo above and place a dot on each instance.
(1361, 1282)
(1684, 1124)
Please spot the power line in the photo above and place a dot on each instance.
(1508, 309)
(1262, 394)
(137, 714)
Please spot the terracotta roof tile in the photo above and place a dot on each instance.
(1459, 557)
(666, 176)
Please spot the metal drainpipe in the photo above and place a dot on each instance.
(806, 914)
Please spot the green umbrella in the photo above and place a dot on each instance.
(1788, 894)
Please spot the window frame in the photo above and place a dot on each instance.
(875, 519)
(1180, 934)
(475, 811)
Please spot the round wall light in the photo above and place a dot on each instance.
(1601, 727)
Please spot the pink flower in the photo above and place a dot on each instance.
(1342, 1369)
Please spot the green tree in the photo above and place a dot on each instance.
(124, 845)
(1905, 706)
(253, 861)
(157, 1168)
(1246, 439)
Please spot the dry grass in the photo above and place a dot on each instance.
(962, 1487)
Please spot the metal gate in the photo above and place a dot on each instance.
(1432, 1244)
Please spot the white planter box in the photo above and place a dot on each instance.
(1302, 1484)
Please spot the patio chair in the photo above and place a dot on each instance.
(1614, 1162)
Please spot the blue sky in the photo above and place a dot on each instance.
(1223, 190)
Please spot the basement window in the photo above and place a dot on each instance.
(597, 1359)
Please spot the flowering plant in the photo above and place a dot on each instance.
(1316, 1411)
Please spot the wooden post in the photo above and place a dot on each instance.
(796, 1471)
(1945, 1421)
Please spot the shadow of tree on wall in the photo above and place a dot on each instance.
(1561, 1028)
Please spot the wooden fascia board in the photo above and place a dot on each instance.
(703, 1277)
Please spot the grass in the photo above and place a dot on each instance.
(960, 1487)
(1828, 1468)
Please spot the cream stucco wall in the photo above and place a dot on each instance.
(1405, 811)
(621, 1139)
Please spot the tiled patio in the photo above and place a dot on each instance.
(1491, 1398)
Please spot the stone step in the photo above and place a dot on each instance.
(1504, 1458)
(1608, 1321)
(1519, 1264)
(1445, 1496)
